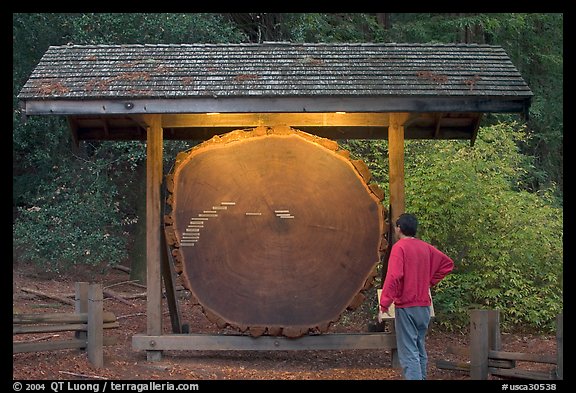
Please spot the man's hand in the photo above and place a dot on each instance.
(382, 311)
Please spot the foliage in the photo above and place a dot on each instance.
(71, 218)
(312, 27)
(506, 242)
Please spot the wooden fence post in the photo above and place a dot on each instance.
(95, 325)
(479, 344)
(494, 337)
(560, 346)
(81, 306)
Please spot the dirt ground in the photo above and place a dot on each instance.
(122, 362)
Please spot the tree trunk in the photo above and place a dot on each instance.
(384, 20)
(138, 250)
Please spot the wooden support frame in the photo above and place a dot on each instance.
(154, 342)
(396, 163)
(154, 148)
(396, 179)
(228, 342)
(169, 276)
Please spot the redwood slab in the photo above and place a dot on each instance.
(275, 231)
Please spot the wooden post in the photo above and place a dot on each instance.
(494, 337)
(95, 326)
(396, 163)
(394, 351)
(560, 346)
(153, 229)
(169, 275)
(479, 344)
(81, 305)
(396, 180)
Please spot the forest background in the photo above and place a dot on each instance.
(495, 207)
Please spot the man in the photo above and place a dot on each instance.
(414, 266)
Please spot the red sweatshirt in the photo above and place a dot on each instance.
(414, 266)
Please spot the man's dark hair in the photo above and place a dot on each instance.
(408, 224)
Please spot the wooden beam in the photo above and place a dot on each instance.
(523, 374)
(153, 228)
(523, 357)
(396, 163)
(141, 120)
(307, 104)
(63, 327)
(54, 345)
(349, 125)
(475, 129)
(169, 275)
(396, 181)
(221, 342)
(133, 132)
(438, 119)
(292, 119)
(38, 318)
(465, 366)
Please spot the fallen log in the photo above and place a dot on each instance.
(115, 295)
(49, 296)
(128, 282)
(122, 268)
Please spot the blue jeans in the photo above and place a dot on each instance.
(411, 325)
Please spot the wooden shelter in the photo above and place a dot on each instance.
(336, 91)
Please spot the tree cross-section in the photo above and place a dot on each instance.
(277, 231)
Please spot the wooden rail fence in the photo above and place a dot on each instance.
(487, 357)
(88, 322)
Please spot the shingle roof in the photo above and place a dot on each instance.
(274, 70)
(445, 88)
